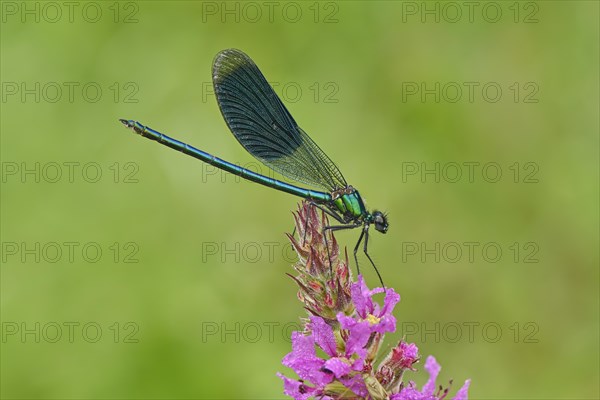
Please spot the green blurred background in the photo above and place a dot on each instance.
(189, 298)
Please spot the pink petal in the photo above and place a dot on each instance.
(356, 384)
(431, 366)
(337, 366)
(296, 389)
(323, 335)
(359, 336)
(391, 299)
(360, 300)
(462, 394)
(304, 361)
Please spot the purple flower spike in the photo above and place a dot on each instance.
(347, 327)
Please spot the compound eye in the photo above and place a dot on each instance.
(380, 221)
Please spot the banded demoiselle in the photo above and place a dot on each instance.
(265, 128)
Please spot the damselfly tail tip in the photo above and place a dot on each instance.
(127, 123)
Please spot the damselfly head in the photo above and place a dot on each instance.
(380, 221)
